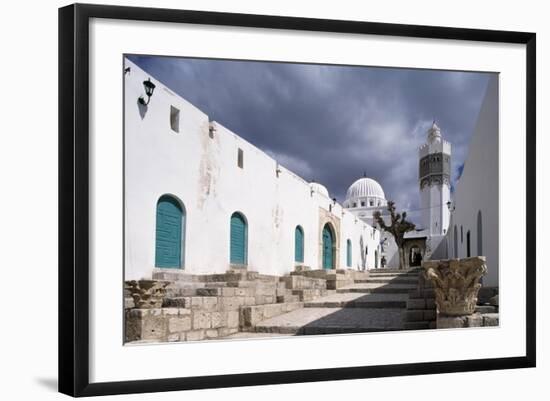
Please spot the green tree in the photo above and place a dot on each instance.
(397, 228)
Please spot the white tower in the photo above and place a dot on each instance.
(434, 178)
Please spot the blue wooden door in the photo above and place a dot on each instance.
(299, 244)
(238, 238)
(169, 233)
(348, 254)
(327, 248)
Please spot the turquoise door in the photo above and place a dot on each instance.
(238, 239)
(169, 233)
(327, 248)
(299, 244)
(348, 254)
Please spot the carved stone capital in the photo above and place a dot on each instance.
(147, 294)
(456, 283)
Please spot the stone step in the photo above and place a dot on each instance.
(332, 321)
(377, 288)
(176, 302)
(287, 298)
(309, 294)
(357, 300)
(377, 275)
(249, 316)
(395, 280)
(393, 271)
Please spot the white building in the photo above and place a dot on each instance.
(474, 225)
(201, 199)
(363, 198)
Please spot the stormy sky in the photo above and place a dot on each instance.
(332, 123)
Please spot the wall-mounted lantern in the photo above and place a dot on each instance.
(149, 88)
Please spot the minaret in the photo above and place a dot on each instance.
(434, 178)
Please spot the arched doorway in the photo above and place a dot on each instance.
(348, 253)
(170, 233)
(479, 234)
(328, 247)
(415, 256)
(455, 242)
(238, 239)
(298, 244)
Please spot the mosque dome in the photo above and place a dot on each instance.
(365, 192)
(319, 188)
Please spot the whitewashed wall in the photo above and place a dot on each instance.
(202, 173)
(478, 189)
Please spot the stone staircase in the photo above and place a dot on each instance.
(373, 302)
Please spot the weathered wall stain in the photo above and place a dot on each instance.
(209, 169)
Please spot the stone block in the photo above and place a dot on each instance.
(173, 337)
(415, 294)
(475, 320)
(413, 316)
(430, 315)
(211, 333)
(233, 319)
(228, 292)
(129, 303)
(226, 331)
(416, 303)
(272, 310)
(170, 311)
(209, 303)
(218, 319)
(201, 320)
(176, 302)
(230, 303)
(490, 319)
(155, 312)
(451, 322)
(184, 312)
(209, 292)
(179, 324)
(290, 306)
(196, 302)
(416, 325)
(243, 292)
(195, 335)
(153, 328)
(138, 313)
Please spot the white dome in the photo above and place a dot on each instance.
(319, 188)
(365, 188)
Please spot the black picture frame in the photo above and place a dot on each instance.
(74, 194)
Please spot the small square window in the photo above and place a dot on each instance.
(174, 119)
(362, 203)
(240, 158)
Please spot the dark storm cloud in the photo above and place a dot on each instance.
(332, 123)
